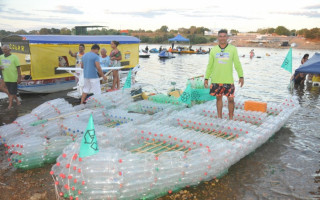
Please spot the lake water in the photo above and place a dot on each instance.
(286, 167)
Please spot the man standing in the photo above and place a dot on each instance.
(91, 65)
(104, 59)
(220, 71)
(78, 55)
(3, 87)
(10, 66)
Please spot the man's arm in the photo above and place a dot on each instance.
(19, 74)
(209, 69)
(238, 67)
(237, 64)
(72, 54)
(100, 70)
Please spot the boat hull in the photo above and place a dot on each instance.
(144, 56)
(47, 85)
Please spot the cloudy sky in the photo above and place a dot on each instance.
(242, 15)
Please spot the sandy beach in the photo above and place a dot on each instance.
(274, 42)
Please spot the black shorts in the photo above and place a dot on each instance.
(219, 89)
(12, 87)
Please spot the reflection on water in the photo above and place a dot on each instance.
(286, 167)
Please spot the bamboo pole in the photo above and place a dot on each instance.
(145, 145)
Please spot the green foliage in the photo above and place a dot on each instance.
(313, 33)
(65, 31)
(234, 32)
(21, 32)
(164, 29)
(55, 31)
(281, 30)
(303, 31)
(266, 30)
(44, 31)
(293, 32)
(212, 39)
(194, 39)
(103, 31)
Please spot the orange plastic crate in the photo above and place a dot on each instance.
(255, 106)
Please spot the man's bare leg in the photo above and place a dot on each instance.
(83, 97)
(17, 100)
(219, 106)
(3, 87)
(10, 101)
(231, 107)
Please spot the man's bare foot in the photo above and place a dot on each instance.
(18, 103)
(9, 107)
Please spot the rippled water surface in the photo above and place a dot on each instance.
(287, 166)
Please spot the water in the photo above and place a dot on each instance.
(286, 167)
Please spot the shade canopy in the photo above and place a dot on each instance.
(312, 66)
(74, 39)
(179, 38)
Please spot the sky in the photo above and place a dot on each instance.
(244, 15)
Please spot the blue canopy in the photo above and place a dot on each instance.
(312, 66)
(179, 38)
(79, 39)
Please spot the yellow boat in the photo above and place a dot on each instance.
(41, 55)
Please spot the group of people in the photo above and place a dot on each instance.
(299, 78)
(10, 74)
(93, 64)
(223, 57)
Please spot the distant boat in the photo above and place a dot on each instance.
(154, 50)
(165, 54)
(143, 54)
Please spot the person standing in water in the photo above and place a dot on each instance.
(251, 53)
(115, 57)
(220, 71)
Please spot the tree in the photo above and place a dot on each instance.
(293, 32)
(281, 30)
(183, 31)
(21, 32)
(164, 29)
(55, 31)
(33, 32)
(192, 30)
(65, 31)
(313, 33)
(303, 32)
(266, 31)
(201, 30)
(234, 32)
(44, 31)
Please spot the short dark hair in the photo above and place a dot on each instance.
(223, 31)
(81, 45)
(306, 56)
(95, 46)
(115, 42)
